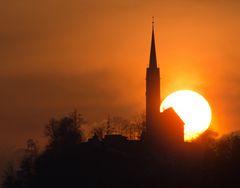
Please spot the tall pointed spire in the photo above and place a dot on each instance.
(153, 57)
(152, 90)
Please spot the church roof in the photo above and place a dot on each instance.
(170, 115)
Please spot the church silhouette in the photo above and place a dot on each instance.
(164, 131)
(166, 128)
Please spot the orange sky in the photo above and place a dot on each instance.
(92, 55)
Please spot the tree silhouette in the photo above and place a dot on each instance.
(131, 128)
(65, 132)
(9, 177)
(67, 161)
(20, 176)
(99, 133)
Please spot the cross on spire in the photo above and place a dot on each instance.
(153, 22)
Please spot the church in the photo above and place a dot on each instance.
(164, 131)
(166, 128)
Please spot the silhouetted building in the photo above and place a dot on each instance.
(164, 129)
(114, 139)
(171, 127)
(152, 91)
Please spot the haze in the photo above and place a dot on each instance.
(58, 55)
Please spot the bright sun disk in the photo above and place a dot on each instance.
(192, 108)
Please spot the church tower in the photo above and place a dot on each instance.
(152, 90)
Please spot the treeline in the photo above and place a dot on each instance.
(69, 161)
(65, 135)
(130, 128)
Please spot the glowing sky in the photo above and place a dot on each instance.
(91, 55)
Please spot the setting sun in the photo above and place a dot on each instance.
(192, 108)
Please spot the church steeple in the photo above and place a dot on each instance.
(152, 89)
(153, 57)
(163, 130)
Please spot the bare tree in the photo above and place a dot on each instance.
(99, 132)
